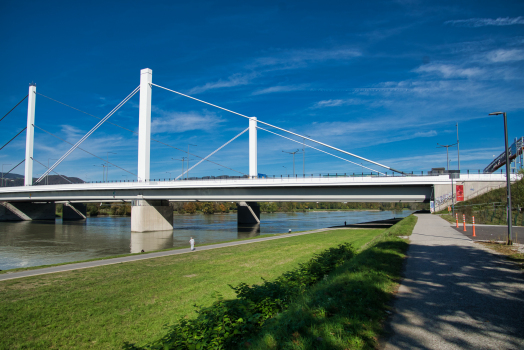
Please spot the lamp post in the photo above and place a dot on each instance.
(3, 173)
(107, 160)
(508, 180)
(189, 144)
(447, 155)
(293, 153)
(183, 162)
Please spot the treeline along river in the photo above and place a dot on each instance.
(31, 243)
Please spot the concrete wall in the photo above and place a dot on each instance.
(472, 189)
(26, 211)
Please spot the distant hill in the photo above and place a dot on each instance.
(11, 180)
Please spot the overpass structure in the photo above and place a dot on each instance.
(151, 210)
(150, 199)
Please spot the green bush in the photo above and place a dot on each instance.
(227, 322)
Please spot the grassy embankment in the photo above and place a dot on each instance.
(346, 310)
(490, 207)
(105, 306)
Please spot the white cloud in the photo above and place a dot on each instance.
(337, 102)
(294, 59)
(279, 88)
(482, 22)
(185, 121)
(232, 81)
(506, 55)
(449, 71)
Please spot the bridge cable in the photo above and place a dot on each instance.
(258, 127)
(14, 107)
(52, 171)
(16, 166)
(215, 151)
(281, 129)
(128, 97)
(105, 161)
(21, 131)
(136, 133)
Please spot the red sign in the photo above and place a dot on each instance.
(460, 193)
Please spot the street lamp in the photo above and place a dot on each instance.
(107, 176)
(508, 180)
(293, 153)
(447, 156)
(103, 171)
(183, 161)
(189, 144)
(3, 173)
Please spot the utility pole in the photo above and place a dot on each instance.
(293, 153)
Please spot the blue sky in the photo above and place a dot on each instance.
(386, 80)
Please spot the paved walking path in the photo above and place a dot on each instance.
(456, 294)
(89, 264)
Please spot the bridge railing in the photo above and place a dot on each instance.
(465, 174)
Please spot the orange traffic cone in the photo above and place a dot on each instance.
(474, 227)
(464, 219)
(457, 217)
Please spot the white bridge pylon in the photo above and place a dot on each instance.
(144, 133)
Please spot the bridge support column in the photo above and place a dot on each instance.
(248, 213)
(253, 171)
(30, 136)
(150, 215)
(26, 211)
(74, 211)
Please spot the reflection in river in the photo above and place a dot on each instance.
(31, 243)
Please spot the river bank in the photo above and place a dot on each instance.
(105, 306)
(27, 244)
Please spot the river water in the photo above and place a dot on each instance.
(31, 243)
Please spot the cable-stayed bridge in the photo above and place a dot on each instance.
(150, 197)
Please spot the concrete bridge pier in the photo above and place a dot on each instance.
(74, 211)
(248, 213)
(151, 215)
(26, 211)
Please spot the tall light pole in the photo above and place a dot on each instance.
(293, 153)
(189, 144)
(447, 155)
(304, 155)
(3, 173)
(183, 162)
(103, 171)
(458, 148)
(107, 177)
(508, 180)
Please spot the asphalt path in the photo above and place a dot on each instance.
(143, 256)
(491, 232)
(455, 294)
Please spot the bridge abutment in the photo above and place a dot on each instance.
(248, 213)
(74, 211)
(151, 215)
(26, 211)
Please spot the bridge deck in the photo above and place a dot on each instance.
(308, 189)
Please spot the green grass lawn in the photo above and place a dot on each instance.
(102, 307)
